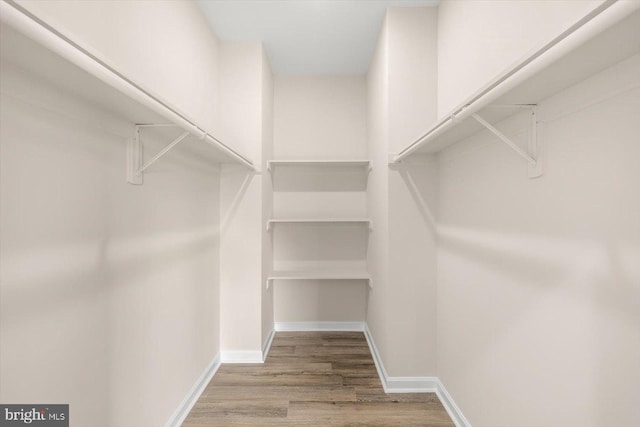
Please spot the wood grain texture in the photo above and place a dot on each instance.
(311, 379)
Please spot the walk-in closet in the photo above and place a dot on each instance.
(320, 213)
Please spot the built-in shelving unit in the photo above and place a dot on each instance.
(606, 36)
(313, 177)
(43, 51)
(327, 221)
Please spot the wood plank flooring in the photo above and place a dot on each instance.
(311, 379)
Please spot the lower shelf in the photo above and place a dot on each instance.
(320, 275)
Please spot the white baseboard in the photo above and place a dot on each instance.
(415, 384)
(241, 356)
(319, 326)
(248, 356)
(452, 409)
(398, 384)
(411, 384)
(193, 395)
(267, 344)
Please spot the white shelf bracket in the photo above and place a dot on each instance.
(534, 163)
(534, 146)
(135, 159)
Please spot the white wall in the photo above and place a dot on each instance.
(267, 196)
(319, 118)
(477, 40)
(319, 301)
(412, 240)
(413, 73)
(109, 292)
(167, 47)
(241, 193)
(538, 280)
(402, 95)
(377, 191)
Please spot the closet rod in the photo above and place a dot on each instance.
(33, 27)
(574, 36)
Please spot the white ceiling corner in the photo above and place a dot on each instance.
(306, 36)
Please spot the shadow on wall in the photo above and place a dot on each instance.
(539, 308)
(568, 304)
(410, 174)
(241, 190)
(104, 284)
(68, 268)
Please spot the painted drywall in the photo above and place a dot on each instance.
(108, 291)
(412, 66)
(241, 93)
(377, 190)
(166, 47)
(319, 118)
(477, 40)
(267, 197)
(401, 257)
(320, 301)
(538, 280)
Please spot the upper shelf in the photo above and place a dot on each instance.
(601, 39)
(271, 164)
(43, 52)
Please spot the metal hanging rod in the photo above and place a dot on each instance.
(40, 31)
(528, 67)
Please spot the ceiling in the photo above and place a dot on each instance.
(306, 36)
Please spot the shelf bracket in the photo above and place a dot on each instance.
(135, 159)
(534, 163)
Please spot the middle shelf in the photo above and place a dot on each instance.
(323, 274)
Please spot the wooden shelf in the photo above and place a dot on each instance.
(327, 274)
(355, 221)
(36, 49)
(271, 164)
(589, 47)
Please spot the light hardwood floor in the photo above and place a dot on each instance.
(311, 379)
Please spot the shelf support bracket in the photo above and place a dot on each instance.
(135, 162)
(534, 163)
